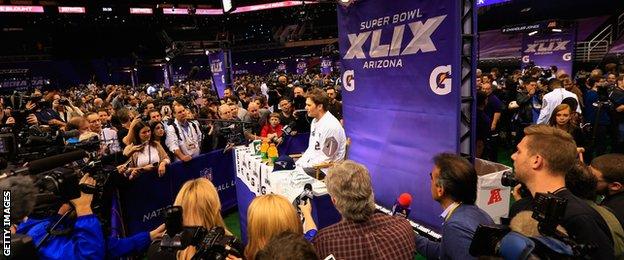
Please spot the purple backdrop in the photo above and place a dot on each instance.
(618, 46)
(326, 66)
(550, 49)
(217, 66)
(301, 67)
(490, 2)
(405, 58)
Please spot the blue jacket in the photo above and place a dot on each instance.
(457, 234)
(86, 242)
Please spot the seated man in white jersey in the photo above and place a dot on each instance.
(327, 137)
(183, 136)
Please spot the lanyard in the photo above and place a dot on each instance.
(448, 216)
(190, 131)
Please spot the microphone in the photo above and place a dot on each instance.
(304, 196)
(402, 207)
(42, 165)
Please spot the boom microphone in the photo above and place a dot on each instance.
(42, 165)
(402, 207)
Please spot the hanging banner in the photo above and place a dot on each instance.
(549, 50)
(406, 57)
(301, 67)
(217, 66)
(281, 67)
(326, 66)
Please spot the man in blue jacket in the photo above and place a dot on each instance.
(454, 186)
(87, 239)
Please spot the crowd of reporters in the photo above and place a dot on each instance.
(166, 126)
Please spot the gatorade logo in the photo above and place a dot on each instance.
(567, 56)
(525, 59)
(495, 196)
(440, 80)
(348, 80)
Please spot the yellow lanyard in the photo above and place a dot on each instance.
(448, 216)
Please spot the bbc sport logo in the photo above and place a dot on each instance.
(440, 80)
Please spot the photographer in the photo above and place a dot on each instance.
(65, 108)
(45, 114)
(541, 161)
(86, 241)
(200, 208)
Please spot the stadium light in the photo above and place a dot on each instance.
(227, 6)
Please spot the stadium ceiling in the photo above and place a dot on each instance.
(527, 11)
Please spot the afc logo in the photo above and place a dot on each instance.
(440, 80)
(495, 196)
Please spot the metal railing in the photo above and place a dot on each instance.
(591, 50)
(596, 48)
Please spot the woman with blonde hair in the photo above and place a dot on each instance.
(200, 208)
(270, 215)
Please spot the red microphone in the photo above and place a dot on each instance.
(402, 206)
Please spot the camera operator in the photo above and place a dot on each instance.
(454, 186)
(86, 241)
(45, 114)
(183, 137)
(541, 161)
(65, 108)
(617, 97)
